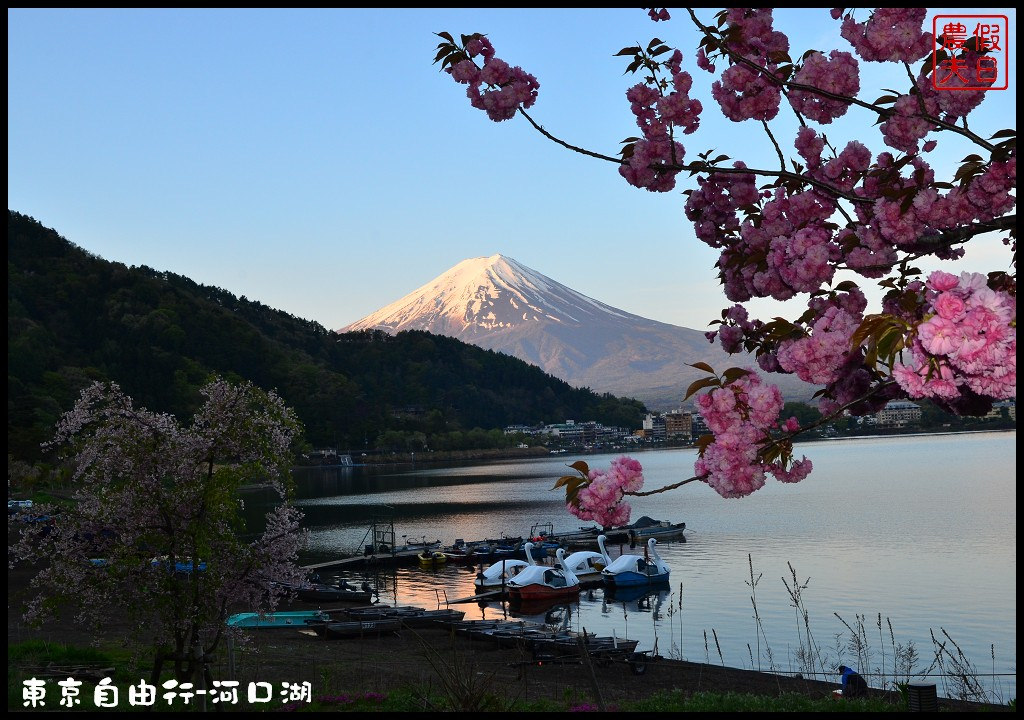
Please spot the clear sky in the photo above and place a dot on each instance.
(318, 162)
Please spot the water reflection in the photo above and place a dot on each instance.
(916, 531)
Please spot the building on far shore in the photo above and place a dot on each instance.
(898, 413)
(1010, 406)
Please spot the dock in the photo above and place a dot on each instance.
(584, 538)
(399, 557)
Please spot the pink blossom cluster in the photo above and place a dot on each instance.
(713, 204)
(818, 357)
(798, 249)
(657, 14)
(736, 324)
(967, 341)
(754, 31)
(742, 415)
(889, 35)
(657, 115)
(744, 93)
(703, 62)
(505, 88)
(602, 499)
(888, 223)
(838, 74)
(907, 125)
(967, 69)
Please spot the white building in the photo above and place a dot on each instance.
(899, 413)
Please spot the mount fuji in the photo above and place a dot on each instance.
(499, 304)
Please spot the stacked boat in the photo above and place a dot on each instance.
(379, 619)
(542, 640)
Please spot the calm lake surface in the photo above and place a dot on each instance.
(901, 539)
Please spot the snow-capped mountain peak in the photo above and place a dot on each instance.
(500, 304)
(484, 295)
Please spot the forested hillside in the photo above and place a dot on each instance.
(73, 317)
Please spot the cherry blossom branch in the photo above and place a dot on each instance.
(696, 167)
(673, 486)
(930, 244)
(563, 143)
(779, 440)
(884, 112)
(778, 150)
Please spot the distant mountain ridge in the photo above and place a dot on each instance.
(73, 318)
(500, 304)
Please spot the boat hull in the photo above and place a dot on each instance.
(633, 579)
(536, 592)
(278, 620)
(357, 628)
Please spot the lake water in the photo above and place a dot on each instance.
(891, 543)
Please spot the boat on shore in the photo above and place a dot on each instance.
(410, 616)
(339, 629)
(315, 591)
(278, 620)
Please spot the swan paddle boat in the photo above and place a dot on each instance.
(543, 581)
(644, 569)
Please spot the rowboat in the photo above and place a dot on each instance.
(332, 630)
(278, 620)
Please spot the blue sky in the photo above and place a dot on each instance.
(318, 162)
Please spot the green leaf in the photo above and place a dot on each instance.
(1004, 133)
(702, 366)
(700, 385)
(446, 36)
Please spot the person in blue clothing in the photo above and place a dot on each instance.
(854, 686)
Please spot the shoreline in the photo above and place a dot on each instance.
(542, 451)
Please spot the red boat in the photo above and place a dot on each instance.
(538, 582)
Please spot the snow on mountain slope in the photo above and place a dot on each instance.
(499, 304)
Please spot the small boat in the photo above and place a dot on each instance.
(645, 528)
(570, 646)
(460, 552)
(424, 544)
(541, 581)
(317, 592)
(183, 566)
(277, 620)
(431, 560)
(637, 569)
(412, 617)
(335, 630)
(498, 575)
(639, 531)
(587, 564)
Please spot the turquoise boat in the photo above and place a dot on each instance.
(290, 619)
